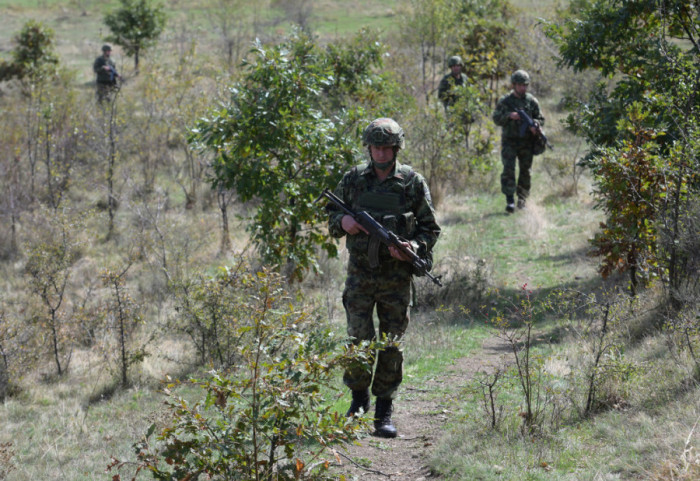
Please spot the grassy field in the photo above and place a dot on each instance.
(68, 428)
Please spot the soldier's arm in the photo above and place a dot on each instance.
(442, 89)
(427, 228)
(97, 65)
(335, 215)
(537, 113)
(501, 113)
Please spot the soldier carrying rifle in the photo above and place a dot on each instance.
(107, 74)
(379, 274)
(517, 143)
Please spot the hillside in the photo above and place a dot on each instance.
(118, 257)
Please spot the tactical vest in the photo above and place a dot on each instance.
(388, 203)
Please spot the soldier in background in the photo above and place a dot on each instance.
(513, 145)
(447, 89)
(399, 198)
(107, 74)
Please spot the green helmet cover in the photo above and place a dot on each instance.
(382, 132)
(520, 77)
(455, 60)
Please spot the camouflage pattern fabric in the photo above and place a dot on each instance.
(509, 103)
(401, 203)
(447, 88)
(388, 288)
(104, 76)
(519, 150)
(513, 147)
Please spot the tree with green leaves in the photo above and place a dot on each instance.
(136, 26)
(34, 55)
(275, 145)
(648, 66)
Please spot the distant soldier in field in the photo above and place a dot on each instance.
(107, 75)
(399, 198)
(450, 83)
(517, 143)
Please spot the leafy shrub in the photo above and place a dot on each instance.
(267, 418)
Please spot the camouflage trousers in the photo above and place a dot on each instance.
(388, 288)
(520, 149)
(105, 91)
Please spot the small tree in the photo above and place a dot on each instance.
(136, 26)
(34, 56)
(631, 183)
(275, 146)
(266, 418)
(49, 266)
(123, 318)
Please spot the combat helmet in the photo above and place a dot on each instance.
(520, 77)
(106, 48)
(382, 132)
(455, 60)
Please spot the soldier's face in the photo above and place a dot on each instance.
(107, 53)
(382, 156)
(520, 89)
(456, 70)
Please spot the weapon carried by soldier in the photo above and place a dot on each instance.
(384, 235)
(528, 123)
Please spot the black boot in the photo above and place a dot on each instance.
(360, 400)
(383, 426)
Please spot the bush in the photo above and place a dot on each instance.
(268, 417)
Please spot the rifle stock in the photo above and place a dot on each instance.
(384, 235)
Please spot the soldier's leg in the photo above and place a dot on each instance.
(393, 298)
(525, 167)
(508, 158)
(358, 299)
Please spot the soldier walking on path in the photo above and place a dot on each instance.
(107, 74)
(517, 143)
(377, 276)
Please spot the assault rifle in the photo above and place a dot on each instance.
(527, 122)
(382, 234)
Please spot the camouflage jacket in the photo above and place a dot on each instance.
(401, 203)
(509, 103)
(105, 76)
(447, 84)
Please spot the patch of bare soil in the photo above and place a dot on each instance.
(420, 417)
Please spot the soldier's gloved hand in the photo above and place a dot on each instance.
(351, 226)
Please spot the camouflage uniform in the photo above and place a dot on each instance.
(447, 87)
(402, 204)
(106, 79)
(513, 146)
(449, 83)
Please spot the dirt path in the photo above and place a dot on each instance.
(419, 417)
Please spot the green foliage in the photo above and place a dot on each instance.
(268, 417)
(274, 145)
(630, 184)
(34, 56)
(649, 55)
(486, 37)
(136, 26)
(640, 124)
